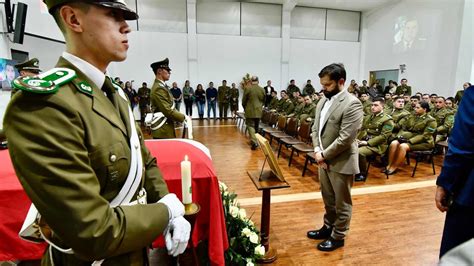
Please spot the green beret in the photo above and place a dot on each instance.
(31, 65)
(164, 64)
(128, 13)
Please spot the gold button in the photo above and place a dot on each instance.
(113, 158)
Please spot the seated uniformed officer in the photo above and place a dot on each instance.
(162, 101)
(373, 138)
(366, 103)
(309, 109)
(416, 135)
(444, 119)
(78, 153)
(414, 100)
(28, 68)
(273, 105)
(399, 115)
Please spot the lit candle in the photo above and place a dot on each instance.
(186, 181)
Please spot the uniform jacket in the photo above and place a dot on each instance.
(339, 132)
(419, 129)
(162, 101)
(403, 89)
(234, 95)
(377, 129)
(223, 94)
(457, 174)
(444, 120)
(71, 153)
(144, 96)
(399, 116)
(252, 101)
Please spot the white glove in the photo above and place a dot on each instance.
(175, 207)
(177, 236)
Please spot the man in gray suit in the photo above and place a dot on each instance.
(252, 101)
(338, 118)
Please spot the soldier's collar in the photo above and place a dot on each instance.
(94, 74)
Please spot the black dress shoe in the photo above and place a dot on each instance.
(360, 178)
(330, 244)
(384, 170)
(322, 233)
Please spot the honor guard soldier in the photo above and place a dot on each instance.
(28, 68)
(78, 154)
(223, 99)
(162, 101)
(373, 138)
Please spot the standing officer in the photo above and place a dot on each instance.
(144, 101)
(78, 153)
(373, 138)
(28, 68)
(338, 118)
(234, 100)
(403, 88)
(223, 99)
(252, 101)
(162, 101)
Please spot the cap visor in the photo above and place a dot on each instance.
(128, 14)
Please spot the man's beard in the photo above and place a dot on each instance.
(329, 94)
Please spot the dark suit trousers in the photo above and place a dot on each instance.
(336, 192)
(223, 109)
(458, 227)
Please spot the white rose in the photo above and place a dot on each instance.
(246, 232)
(253, 238)
(249, 262)
(242, 214)
(250, 222)
(222, 186)
(226, 193)
(234, 211)
(259, 250)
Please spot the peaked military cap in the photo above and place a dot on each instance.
(161, 64)
(128, 14)
(30, 65)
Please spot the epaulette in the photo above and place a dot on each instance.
(45, 83)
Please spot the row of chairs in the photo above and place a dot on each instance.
(288, 132)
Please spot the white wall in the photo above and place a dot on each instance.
(432, 62)
(308, 57)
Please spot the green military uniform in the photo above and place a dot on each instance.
(223, 101)
(363, 89)
(367, 107)
(298, 110)
(291, 89)
(71, 151)
(445, 121)
(309, 111)
(252, 101)
(388, 107)
(458, 97)
(144, 101)
(273, 105)
(403, 89)
(234, 99)
(162, 101)
(399, 116)
(286, 107)
(409, 108)
(31, 66)
(308, 90)
(376, 130)
(419, 130)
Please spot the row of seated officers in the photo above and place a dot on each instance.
(395, 126)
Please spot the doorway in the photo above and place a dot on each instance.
(383, 76)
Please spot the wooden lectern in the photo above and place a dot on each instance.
(266, 180)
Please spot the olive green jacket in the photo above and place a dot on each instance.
(366, 107)
(419, 129)
(234, 95)
(253, 100)
(162, 101)
(403, 89)
(399, 116)
(273, 103)
(377, 129)
(144, 96)
(286, 107)
(71, 154)
(444, 119)
(223, 94)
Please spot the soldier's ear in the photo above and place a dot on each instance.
(71, 18)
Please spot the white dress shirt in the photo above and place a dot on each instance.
(93, 73)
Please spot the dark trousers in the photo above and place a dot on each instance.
(189, 107)
(458, 227)
(223, 109)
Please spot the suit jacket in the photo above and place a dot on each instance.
(71, 153)
(457, 174)
(252, 101)
(339, 132)
(162, 101)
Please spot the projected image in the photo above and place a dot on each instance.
(8, 73)
(407, 36)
